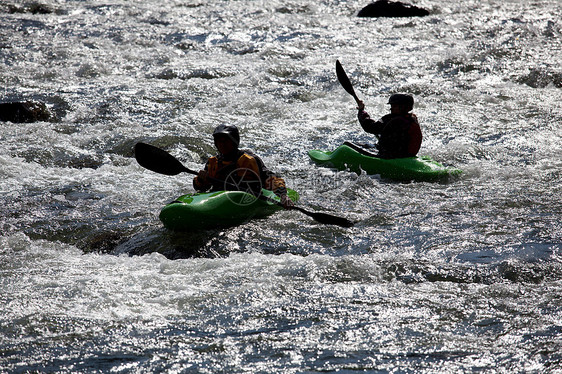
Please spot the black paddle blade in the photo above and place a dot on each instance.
(326, 218)
(344, 80)
(158, 160)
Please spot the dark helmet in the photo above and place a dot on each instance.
(402, 99)
(230, 131)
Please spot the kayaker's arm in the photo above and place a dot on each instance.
(269, 179)
(277, 185)
(201, 182)
(368, 124)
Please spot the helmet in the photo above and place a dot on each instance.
(230, 131)
(402, 99)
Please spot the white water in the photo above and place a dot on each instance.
(457, 277)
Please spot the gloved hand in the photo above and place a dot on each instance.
(360, 105)
(286, 202)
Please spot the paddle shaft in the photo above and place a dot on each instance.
(346, 84)
(160, 161)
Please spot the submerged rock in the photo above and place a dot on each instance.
(31, 7)
(385, 8)
(20, 112)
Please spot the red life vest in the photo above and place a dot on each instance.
(400, 137)
(415, 136)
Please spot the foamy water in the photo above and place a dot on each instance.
(462, 276)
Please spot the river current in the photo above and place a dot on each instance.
(458, 276)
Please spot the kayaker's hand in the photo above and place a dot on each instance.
(286, 202)
(202, 176)
(360, 105)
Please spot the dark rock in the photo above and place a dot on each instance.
(20, 112)
(385, 8)
(37, 8)
(33, 8)
(102, 242)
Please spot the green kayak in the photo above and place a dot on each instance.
(354, 158)
(218, 209)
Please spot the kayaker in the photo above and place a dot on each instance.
(399, 132)
(237, 169)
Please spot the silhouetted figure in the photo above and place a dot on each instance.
(399, 132)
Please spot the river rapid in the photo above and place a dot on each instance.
(458, 276)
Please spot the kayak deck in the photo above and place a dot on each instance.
(401, 169)
(218, 209)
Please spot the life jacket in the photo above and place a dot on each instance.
(400, 137)
(245, 171)
(415, 136)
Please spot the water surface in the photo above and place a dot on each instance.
(462, 276)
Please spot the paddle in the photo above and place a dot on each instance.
(345, 82)
(160, 161)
